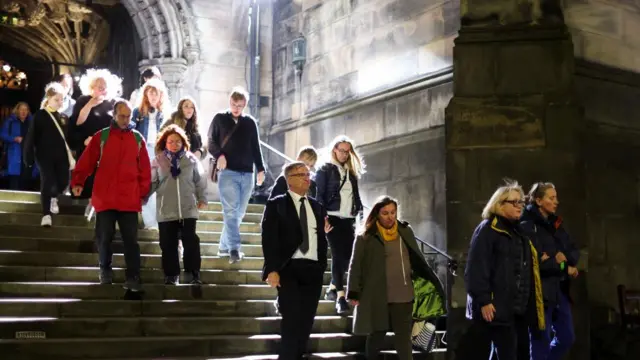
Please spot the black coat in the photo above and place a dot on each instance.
(549, 236)
(491, 273)
(43, 143)
(328, 182)
(282, 233)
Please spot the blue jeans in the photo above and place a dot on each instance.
(235, 191)
(556, 340)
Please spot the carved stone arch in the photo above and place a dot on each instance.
(165, 28)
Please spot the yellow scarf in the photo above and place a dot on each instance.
(388, 234)
(537, 283)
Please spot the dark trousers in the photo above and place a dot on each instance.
(170, 232)
(22, 182)
(401, 319)
(556, 340)
(54, 178)
(341, 240)
(105, 231)
(509, 342)
(298, 297)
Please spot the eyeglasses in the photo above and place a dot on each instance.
(179, 143)
(343, 152)
(515, 202)
(301, 175)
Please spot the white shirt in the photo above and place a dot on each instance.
(152, 132)
(346, 194)
(312, 228)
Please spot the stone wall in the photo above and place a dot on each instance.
(606, 32)
(379, 72)
(612, 162)
(223, 61)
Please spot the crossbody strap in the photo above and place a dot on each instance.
(72, 161)
(228, 136)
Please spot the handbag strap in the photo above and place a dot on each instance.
(228, 136)
(69, 154)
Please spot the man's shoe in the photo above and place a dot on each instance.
(54, 208)
(133, 284)
(171, 280)
(342, 308)
(331, 295)
(234, 256)
(193, 278)
(46, 221)
(223, 253)
(106, 277)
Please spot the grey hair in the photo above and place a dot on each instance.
(499, 196)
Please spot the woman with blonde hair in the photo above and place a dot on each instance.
(186, 117)
(14, 130)
(179, 180)
(46, 145)
(92, 112)
(390, 282)
(337, 191)
(502, 276)
(147, 117)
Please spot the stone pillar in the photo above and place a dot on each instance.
(513, 115)
(173, 73)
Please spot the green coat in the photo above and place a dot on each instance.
(367, 282)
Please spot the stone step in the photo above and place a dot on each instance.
(34, 197)
(80, 221)
(180, 346)
(85, 233)
(384, 355)
(151, 291)
(160, 326)
(28, 258)
(150, 276)
(88, 246)
(68, 209)
(74, 307)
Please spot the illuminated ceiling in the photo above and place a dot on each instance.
(62, 31)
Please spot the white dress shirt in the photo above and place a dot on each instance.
(312, 254)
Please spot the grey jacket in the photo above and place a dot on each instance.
(178, 198)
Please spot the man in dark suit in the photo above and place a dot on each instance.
(295, 258)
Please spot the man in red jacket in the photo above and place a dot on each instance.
(122, 180)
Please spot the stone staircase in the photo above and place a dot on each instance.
(51, 306)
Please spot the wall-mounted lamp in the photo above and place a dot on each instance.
(299, 53)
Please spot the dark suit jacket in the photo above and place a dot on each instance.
(282, 233)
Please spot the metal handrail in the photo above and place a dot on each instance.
(452, 264)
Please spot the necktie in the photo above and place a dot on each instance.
(304, 247)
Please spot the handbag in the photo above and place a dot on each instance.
(423, 335)
(212, 163)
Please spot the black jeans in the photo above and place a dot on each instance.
(298, 297)
(341, 240)
(54, 178)
(509, 341)
(401, 319)
(170, 233)
(105, 231)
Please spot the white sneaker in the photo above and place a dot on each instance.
(55, 209)
(46, 221)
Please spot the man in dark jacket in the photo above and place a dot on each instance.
(122, 181)
(234, 143)
(295, 257)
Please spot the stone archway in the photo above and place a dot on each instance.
(168, 36)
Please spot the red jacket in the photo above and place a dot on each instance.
(123, 178)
